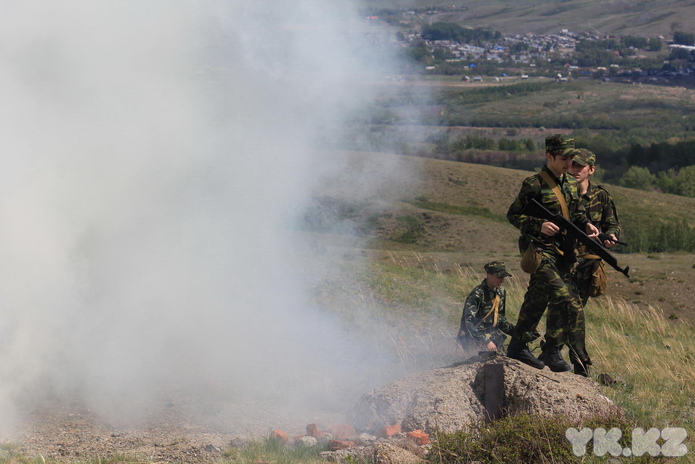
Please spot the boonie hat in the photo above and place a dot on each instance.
(497, 268)
(559, 144)
(584, 157)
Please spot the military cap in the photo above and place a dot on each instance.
(497, 268)
(559, 144)
(584, 157)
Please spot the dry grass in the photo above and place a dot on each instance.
(651, 356)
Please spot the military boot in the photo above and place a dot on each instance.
(581, 369)
(552, 358)
(519, 351)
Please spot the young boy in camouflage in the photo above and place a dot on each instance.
(550, 284)
(602, 213)
(483, 322)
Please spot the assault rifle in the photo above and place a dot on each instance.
(535, 209)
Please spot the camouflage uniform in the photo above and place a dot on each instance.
(602, 213)
(551, 284)
(479, 323)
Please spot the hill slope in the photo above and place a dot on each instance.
(627, 17)
(458, 212)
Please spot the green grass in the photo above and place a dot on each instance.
(524, 439)
(269, 450)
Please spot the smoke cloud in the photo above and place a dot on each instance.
(154, 157)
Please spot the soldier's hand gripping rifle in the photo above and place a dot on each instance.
(607, 238)
(535, 209)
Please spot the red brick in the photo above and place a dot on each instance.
(342, 431)
(279, 435)
(336, 445)
(419, 437)
(389, 431)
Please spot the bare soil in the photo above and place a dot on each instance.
(174, 431)
(64, 434)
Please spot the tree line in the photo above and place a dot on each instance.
(456, 33)
(665, 167)
(660, 166)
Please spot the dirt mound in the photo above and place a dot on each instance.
(454, 398)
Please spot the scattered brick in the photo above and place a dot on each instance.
(390, 430)
(418, 436)
(279, 435)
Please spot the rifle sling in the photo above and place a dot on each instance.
(494, 310)
(558, 193)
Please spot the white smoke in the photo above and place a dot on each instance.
(154, 155)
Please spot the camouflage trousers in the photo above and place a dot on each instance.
(555, 290)
(582, 278)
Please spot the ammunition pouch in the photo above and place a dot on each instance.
(531, 259)
(599, 280)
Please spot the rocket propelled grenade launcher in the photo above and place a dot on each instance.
(535, 209)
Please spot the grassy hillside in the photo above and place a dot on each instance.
(622, 113)
(457, 211)
(629, 17)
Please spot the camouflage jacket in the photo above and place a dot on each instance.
(477, 306)
(601, 210)
(535, 187)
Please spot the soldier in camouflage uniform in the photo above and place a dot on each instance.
(483, 322)
(602, 213)
(550, 285)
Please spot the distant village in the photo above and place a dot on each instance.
(551, 55)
